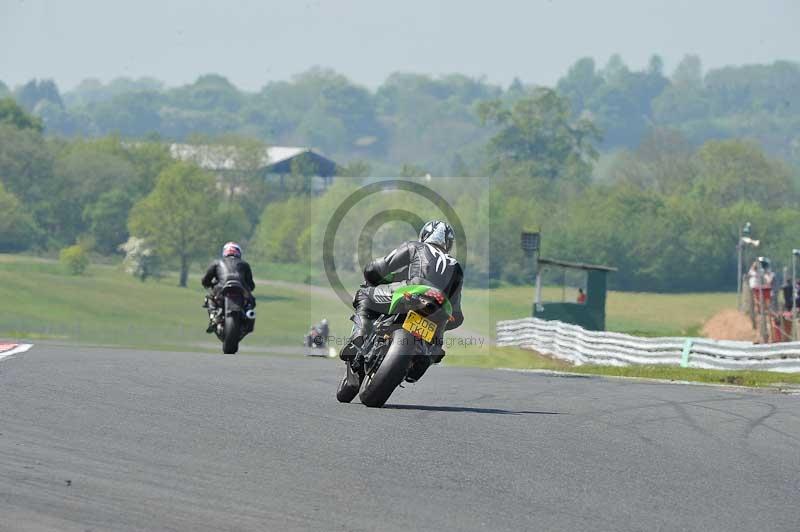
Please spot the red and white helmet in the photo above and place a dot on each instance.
(232, 249)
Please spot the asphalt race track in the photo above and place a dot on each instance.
(107, 439)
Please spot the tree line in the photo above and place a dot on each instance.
(429, 121)
(667, 215)
(666, 212)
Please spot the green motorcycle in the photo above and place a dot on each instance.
(402, 345)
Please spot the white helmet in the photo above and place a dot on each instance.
(438, 233)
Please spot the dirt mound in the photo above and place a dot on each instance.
(729, 324)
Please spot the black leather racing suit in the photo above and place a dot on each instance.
(411, 263)
(229, 269)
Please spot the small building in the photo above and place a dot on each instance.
(275, 160)
(590, 287)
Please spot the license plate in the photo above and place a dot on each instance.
(420, 326)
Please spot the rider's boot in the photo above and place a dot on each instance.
(212, 310)
(363, 318)
(355, 376)
(363, 326)
(212, 322)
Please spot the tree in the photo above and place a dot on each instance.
(735, 170)
(429, 119)
(458, 167)
(13, 114)
(180, 216)
(33, 92)
(580, 83)
(537, 138)
(18, 231)
(357, 168)
(615, 70)
(622, 106)
(210, 91)
(688, 73)
(663, 162)
(684, 100)
(655, 66)
(276, 238)
(107, 219)
(26, 170)
(131, 114)
(83, 171)
(74, 259)
(149, 158)
(412, 170)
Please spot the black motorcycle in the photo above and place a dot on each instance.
(402, 345)
(233, 316)
(314, 339)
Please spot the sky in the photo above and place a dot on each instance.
(252, 42)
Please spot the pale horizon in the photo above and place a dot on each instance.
(255, 42)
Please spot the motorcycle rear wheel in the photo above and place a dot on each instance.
(391, 372)
(232, 334)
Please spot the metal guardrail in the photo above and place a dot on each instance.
(579, 346)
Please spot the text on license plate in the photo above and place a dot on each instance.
(420, 326)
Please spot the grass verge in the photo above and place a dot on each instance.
(515, 358)
(109, 307)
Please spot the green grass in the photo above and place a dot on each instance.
(644, 314)
(108, 306)
(294, 273)
(515, 358)
(299, 272)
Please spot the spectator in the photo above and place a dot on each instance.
(797, 294)
(581, 296)
(760, 279)
(786, 288)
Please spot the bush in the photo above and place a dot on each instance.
(74, 259)
(141, 260)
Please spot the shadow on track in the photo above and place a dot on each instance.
(431, 408)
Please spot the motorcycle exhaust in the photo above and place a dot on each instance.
(251, 314)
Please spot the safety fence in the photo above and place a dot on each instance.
(579, 346)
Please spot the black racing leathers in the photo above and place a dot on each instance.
(228, 269)
(416, 263)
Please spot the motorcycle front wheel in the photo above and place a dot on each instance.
(349, 385)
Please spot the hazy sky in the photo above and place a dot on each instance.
(252, 42)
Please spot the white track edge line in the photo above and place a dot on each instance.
(21, 348)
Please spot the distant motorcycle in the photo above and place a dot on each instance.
(401, 346)
(233, 316)
(315, 339)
